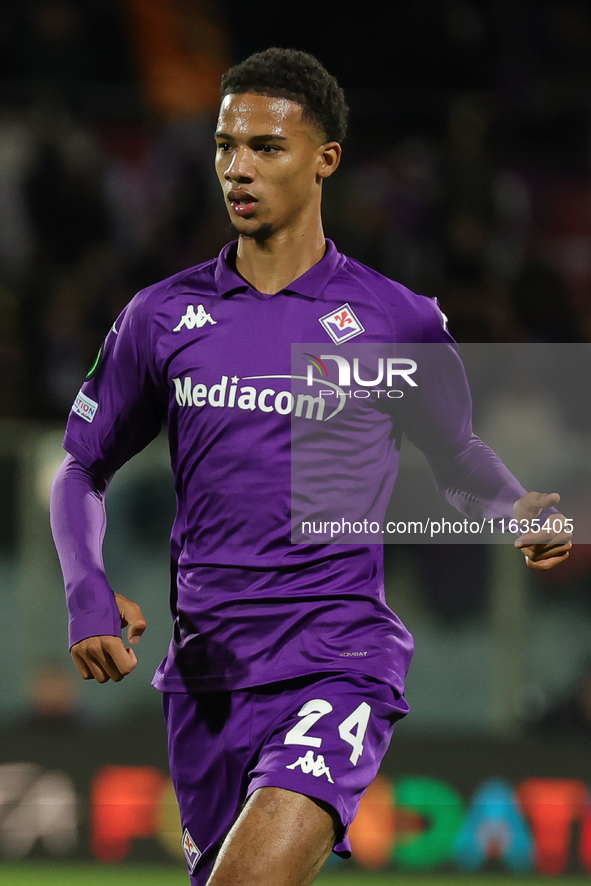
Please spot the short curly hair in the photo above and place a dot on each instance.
(297, 76)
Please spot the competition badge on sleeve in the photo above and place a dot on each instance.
(85, 407)
(342, 324)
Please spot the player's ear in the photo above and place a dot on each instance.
(330, 157)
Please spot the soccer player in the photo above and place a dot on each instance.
(285, 674)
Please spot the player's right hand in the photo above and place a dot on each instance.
(105, 657)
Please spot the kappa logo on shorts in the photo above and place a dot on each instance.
(191, 850)
(309, 765)
(194, 319)
(342, 324)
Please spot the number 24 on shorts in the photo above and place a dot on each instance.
(316, 708)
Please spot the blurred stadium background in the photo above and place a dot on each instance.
(467, 176)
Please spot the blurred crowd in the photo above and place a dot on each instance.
(466, 174)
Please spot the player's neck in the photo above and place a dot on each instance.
(272, 265)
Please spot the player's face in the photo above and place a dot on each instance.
(270, 163)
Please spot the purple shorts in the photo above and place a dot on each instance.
(322, 735)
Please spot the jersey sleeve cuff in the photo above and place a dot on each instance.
(95, 624)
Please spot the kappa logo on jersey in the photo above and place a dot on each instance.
(194, 319)
(342, 324)
(191, 850)
(85, 407)
(311, 765)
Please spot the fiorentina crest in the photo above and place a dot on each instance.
(192, 852)
(342, 324)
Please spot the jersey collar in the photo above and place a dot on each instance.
(310, 285)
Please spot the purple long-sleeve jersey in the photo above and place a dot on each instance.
(209, 354)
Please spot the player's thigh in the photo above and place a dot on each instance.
(281, 838)
(328, 742)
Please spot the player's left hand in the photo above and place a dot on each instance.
(546, 548)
